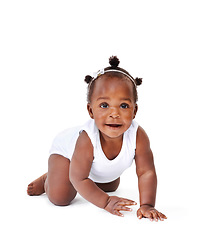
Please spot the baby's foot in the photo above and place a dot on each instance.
(37, 186)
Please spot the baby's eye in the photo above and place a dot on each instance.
(124, 105)
(104, 105)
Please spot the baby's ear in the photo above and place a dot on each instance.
(135, 111)
(90, 111)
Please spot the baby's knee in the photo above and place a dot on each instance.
(60, 198)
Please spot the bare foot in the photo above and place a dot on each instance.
(37, 186)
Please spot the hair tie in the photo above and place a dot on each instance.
(114, 62)
(102, 71)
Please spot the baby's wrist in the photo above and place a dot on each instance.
(146, 205)
(107, 202)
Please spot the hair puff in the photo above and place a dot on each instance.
(138, 81)
(114, 61)
(88, 79)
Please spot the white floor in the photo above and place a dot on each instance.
(189, 216)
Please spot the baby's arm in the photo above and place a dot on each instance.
(147, 179)
(79, 171)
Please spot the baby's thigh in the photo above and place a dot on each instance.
(58, 186)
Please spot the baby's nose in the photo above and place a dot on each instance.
(114, 113)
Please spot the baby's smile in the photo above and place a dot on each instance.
(114, 125)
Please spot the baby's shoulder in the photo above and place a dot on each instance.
(84, 145)
(142, 140)
(84, 140)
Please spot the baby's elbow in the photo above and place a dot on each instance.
(76, 177)
(147, 174)
(73, 176)
(152, 176)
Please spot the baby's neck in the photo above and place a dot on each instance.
(111, 146)
(109, 141)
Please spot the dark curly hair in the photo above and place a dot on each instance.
(112, 71)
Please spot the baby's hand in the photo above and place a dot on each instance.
(150, 212)
(116, 204)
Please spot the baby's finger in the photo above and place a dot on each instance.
(123, 208)
(155, 215)
(161, 216)
(139, 215)
(150, 216)
(115, 212)
(128, 202)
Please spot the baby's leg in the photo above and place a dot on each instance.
(57, 185)
(109, 187)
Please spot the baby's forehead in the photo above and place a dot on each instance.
(113, 85)
(107, 80)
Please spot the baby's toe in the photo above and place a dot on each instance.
(30, 189)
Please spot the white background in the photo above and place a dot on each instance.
(47, 48)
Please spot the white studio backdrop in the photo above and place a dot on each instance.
(47, 48)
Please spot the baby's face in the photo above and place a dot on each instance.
(112, 105)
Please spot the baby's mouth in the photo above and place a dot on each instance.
(114, 125)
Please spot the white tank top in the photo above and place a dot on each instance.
(103, 170)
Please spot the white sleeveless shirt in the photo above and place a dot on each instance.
(103, 170)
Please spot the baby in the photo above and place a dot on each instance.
(90, 159)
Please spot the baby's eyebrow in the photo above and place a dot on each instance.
(103, 98)
(125, 99)
(107, 98)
